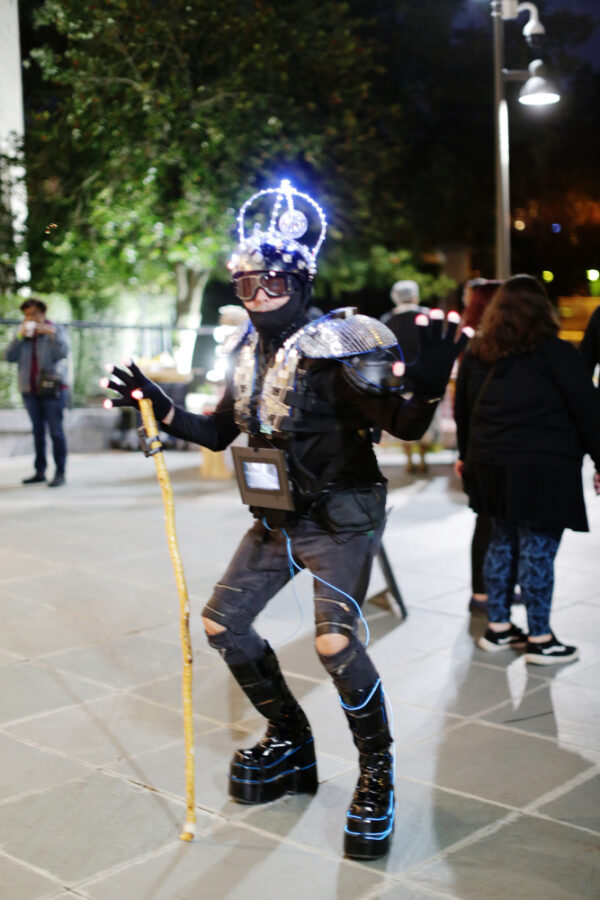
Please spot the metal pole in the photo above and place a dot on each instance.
(501, 149)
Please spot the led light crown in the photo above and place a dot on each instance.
(278, 247)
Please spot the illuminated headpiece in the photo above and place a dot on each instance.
(278, 247)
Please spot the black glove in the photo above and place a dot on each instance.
(428, 375)
(135, 380)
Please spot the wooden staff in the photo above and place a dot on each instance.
(153, 447)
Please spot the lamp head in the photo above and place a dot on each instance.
(538, 90)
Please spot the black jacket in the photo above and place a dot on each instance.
(590, 345)
(538, 409)
(344, 457)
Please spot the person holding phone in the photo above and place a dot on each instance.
(40, 349)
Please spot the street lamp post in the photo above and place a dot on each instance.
(536, 91)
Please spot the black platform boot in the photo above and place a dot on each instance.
(283, 761)
(370, 818)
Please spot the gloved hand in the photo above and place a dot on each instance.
(133, 381)
(428, 375)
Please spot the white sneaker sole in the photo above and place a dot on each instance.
(537, 659)
(484, 644)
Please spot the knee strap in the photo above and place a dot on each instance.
(238, 648)
(351, 669)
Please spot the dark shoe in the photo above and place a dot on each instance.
(478, 607)
(34, 479)
(548, 652)
(277, 765)
(370, 817)
(283, 761)
(492, 641)
(57, 481)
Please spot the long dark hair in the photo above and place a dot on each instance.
(517, 319)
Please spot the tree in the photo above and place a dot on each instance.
(152, 121)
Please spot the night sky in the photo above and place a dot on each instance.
(476, 10)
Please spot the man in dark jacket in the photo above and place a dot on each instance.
(307, 393)
(40, 349)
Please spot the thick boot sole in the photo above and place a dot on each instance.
(368, 838)
(296, 773)
(357, 846)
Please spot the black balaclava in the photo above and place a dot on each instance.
(278, 324)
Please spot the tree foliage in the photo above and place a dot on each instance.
(154, 120)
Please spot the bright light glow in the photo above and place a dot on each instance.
(519, 224)
(556, 228)
(540, 98)
(593, 274)
(548, 276)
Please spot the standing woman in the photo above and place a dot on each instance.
(526, 413)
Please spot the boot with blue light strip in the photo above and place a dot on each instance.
(370, 818)
(283, 761)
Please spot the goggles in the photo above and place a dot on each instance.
(274, 284)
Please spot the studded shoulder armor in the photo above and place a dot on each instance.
(337, 335)
(342, 333)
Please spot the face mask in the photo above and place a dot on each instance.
(277, 324)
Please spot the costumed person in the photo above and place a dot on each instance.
(401, 320)
(40, 348)
(307, 393)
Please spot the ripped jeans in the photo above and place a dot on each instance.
(261, 567)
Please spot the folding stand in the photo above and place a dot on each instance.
(390, 597)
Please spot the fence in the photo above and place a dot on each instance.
(93, 344)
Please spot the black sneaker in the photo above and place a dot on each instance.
(492, 641)
(551, 651)
(34, 479)
(57, 481)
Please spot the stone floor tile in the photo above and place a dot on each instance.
(33, 631)
(491, 763)
(77, 830)
(113, 727)
(27, 689)
(25, 768)
(529, 858)
(586, 675)
(465, 688)
(123, 662)
(579, 806)
(238, 863)
(403, 890)
(21, 883)
(427, 820)
(17, 565)
(98, 596)
(567, 711)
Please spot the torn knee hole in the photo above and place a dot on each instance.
(331, 643)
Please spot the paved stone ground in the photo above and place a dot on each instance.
(497, 762)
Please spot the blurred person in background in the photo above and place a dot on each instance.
(477, 295)
(526, 413)
(401, 321)
(40, 348)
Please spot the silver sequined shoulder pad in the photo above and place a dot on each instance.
(335, 337)
(235, 340)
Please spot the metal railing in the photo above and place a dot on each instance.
(92, 345)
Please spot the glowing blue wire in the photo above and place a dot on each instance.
(332, 586)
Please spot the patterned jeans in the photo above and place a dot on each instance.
(523, 555)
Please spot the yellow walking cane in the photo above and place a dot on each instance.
(152, 446)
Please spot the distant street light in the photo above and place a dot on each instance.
(537, 90)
